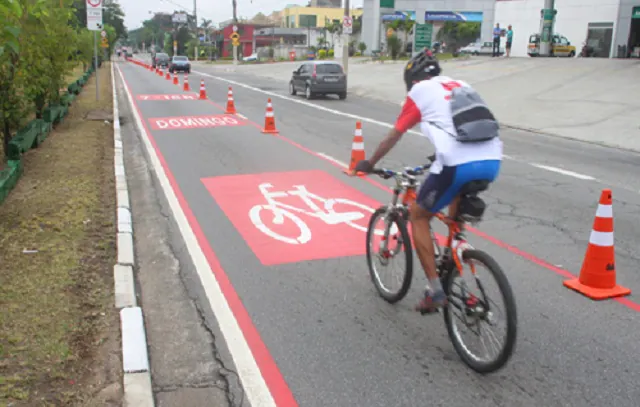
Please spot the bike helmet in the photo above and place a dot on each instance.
(421, 67)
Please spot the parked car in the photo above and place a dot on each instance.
(560, 46)
(179, 63)
(319, 78)
(250, 58)
(481, 48)
(160, 60)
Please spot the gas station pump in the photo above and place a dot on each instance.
(547, 18)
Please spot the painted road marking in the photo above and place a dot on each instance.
(337, 112)
(334, 160)
(260, 377)
(564, 172)
(194, 122)
(287, 217)
(166, 97)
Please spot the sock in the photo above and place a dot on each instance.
(436, 285)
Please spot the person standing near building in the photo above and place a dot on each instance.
(509, 40)
(496, 40)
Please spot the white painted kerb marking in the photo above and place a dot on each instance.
(252, 381)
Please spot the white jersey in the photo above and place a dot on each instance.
(428, 101)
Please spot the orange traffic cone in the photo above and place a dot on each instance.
(186, 87)
(231, 107)
(160, 72)
(175, 79)
(269, 120)
(203, 91)
(168, 77)
(357, 149)
(598, 274)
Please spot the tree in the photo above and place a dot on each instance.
(458, 34)
(112, 14)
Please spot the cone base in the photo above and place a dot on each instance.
(202, 97)
(274, 131)
(232, 111)
(359, 174)
(187, 89)
(596, 293)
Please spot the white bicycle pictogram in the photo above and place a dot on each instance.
(328, 215)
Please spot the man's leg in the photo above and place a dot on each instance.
(435, 194)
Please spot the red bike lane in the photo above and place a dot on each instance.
(226, 174)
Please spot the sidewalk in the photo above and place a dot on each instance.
(593, 100)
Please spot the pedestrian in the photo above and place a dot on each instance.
(509, 40)
(496, 40)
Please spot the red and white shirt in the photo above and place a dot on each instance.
(428, 101)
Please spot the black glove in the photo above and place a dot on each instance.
(432, 158)
(364, 166)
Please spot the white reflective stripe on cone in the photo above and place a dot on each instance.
(604, 239)
(604, 211)
(358, 146)
(358, 132)
(269, 114)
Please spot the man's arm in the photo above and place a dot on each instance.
(409, 117)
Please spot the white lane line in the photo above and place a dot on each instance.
(368, 120)
(564, 172)
(335, 160)
(243, 117)
(252, 381)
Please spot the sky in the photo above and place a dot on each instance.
(136, 11)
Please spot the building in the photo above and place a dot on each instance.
(611, 27)
(436, 12)
(297, 16)
(326, 3)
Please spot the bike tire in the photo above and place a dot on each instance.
(511, 313)
(408, 253)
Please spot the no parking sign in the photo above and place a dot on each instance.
(94, 15)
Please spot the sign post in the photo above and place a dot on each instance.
(94, 23)
(347, 29)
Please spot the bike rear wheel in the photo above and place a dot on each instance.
(477, 309)
(399, 244)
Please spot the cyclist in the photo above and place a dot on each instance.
(454, 164)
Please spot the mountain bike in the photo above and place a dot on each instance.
(451, 256)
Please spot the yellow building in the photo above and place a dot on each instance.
(294, 16)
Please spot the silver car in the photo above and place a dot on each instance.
(319, 78)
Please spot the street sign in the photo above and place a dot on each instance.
(103, 34)
(423, 34)
(234, 36)
(347, 24)
(235, 42)
(235, 28)
(94, 15)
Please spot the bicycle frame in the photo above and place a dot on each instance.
(407, 185)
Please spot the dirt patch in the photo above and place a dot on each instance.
(59, 330)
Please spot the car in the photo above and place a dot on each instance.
(160, 60)
(319, 78)
(180, 63)
(250, 58)
(480, 48)
(560, 46)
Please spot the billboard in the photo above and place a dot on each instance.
(179, 18)
(400, 15)
(468, 16)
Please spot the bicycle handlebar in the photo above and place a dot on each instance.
(406, 172)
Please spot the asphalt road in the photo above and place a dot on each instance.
(334, 341)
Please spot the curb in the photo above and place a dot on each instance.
(135, 360)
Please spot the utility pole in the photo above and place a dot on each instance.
(376, 26)
(235, 24)
(195, 17)
(346, 37)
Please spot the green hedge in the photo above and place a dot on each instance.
(34, 133)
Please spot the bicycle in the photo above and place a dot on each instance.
(449, 262)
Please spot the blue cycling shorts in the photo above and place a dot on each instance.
(438, 190)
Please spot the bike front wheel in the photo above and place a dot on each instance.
(478, 309)
(398, 246)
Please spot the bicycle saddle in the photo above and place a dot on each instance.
(474, 187)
